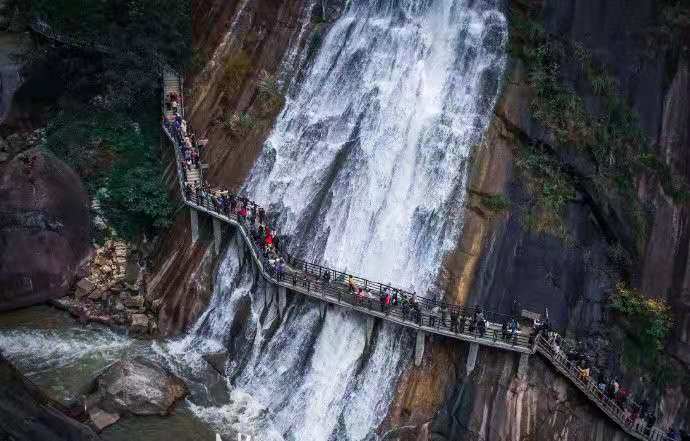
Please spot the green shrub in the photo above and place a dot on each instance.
(551, 189)
(146, 28)
(651, 317)
(239, 124)
(270, 95)
(115, 154)
(495, 202)
(612, 137)
(136, 200)
(647, 323)
(237, 67)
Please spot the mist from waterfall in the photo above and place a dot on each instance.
(366, 167)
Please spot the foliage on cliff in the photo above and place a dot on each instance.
(147, 28)
(607, 136)
(115, 159)
(593, 148)
(647, 323)
(105, 120)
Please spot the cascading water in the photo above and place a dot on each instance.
(366, 167)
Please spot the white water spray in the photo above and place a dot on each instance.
(367, 167)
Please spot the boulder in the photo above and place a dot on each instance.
(102, 419)
(44, 229)
(98, 293)
(217, 360)
(139, 324)
(135, 302)
(137, 386)
(84, 288)
(132, 272)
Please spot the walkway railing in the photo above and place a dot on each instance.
(624, 418)
(307, 278)
(455, 321)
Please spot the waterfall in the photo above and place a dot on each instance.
(366, 167)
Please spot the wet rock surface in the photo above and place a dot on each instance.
(218, 360)
(22, 402)
(492, 403)
(133, 387)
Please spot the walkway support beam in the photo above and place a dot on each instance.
(369, 331)
(419, 348)
(194, 218)
(472, 357)
(522, 366)
(217, 235)
(282, 300)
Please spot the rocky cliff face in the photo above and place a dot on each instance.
(492, 403)
(500, 262)
(21, 402)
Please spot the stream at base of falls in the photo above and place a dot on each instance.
(63, 357)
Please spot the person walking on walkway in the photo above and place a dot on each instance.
(351, 284)
(405, 307)
(453, 320)
(481, 327)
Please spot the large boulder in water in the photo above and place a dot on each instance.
(137, 386)
(44, 229)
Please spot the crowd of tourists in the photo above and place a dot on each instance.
(640, 416)
(247, 212)
(389, 300)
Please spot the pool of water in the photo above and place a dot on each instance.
(63, 357)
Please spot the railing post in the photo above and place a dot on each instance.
(472, 357)
(419, 348)
(217, 235)
(282, 300)
(522, 366)
(369, 331)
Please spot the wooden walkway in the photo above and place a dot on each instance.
(307, 279)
